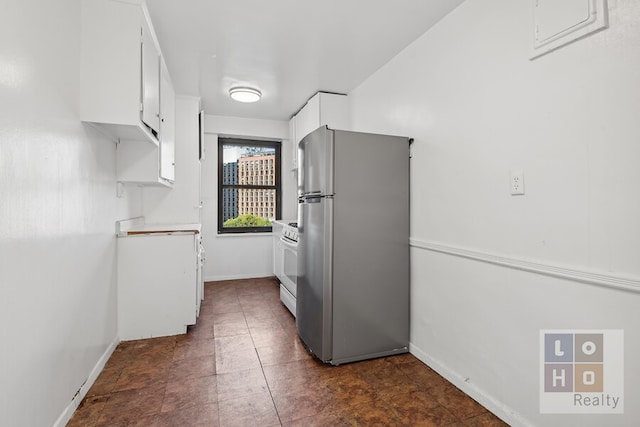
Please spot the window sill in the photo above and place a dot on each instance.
(257, 234)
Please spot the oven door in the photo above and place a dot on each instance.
(289, 265)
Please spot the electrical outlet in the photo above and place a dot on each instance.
(517, 182)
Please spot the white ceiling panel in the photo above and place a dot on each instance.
(289, 49)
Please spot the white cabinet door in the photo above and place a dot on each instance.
(150, 80)
(110, 66)
(322, 109)
(334, 111)
(294, 143)
(167, 126)
(157, 285)
(137, 161)
(308, 119)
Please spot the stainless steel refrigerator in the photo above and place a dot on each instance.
(353, 245)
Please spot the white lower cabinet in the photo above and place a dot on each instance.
(158, 289)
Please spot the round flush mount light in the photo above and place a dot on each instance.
(245, 94)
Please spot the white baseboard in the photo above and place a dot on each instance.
(502, 411)
(236, 277)
(66, 415)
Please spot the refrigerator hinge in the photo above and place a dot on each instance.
(410, 148)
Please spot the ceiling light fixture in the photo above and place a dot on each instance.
(245, 94)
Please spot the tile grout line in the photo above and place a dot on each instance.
(268, 386)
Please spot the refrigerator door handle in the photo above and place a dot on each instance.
(314, 198)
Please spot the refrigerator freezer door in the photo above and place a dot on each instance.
(316, 152)
(314, 302)
(370, 246)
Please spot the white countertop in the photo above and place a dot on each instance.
(137, 226)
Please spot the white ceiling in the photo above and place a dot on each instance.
(289, 49)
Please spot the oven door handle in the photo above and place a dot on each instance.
(288, 242)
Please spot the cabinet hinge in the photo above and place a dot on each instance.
(141, 106)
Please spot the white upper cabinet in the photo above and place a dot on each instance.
(293, 143)
(167, 126)
(111, 85)
(150, 80)
(322, 109)
(308, 119)
(125, 89)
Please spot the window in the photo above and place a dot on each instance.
(244, 182)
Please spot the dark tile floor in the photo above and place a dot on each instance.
(243, 365)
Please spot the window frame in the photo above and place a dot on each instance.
(275, 144)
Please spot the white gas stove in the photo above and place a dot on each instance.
(286, 262)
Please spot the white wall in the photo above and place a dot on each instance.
(485, 263)
(245, 255)
(57, 211)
